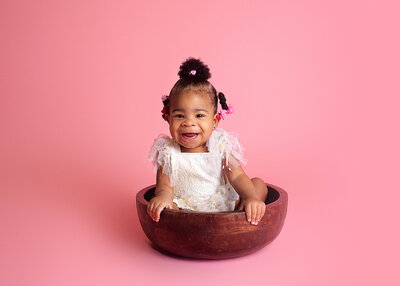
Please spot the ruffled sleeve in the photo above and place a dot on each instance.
(160, 155)
(227, 145)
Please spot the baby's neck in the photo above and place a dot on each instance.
(200, 149)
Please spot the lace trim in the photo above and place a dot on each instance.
(227, 145)
(160, 155)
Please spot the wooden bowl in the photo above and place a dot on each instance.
(216, 235)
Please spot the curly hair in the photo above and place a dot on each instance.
(193, 76)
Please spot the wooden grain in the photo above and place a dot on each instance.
(216, 235)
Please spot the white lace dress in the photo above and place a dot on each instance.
(198, 179)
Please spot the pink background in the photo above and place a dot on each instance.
(315, 85)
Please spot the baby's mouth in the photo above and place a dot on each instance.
(188, 136)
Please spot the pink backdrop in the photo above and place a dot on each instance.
(315, 85)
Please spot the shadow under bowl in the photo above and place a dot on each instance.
(212, 235)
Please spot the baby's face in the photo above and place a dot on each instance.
(191, 121)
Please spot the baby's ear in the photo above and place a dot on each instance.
(215, 120)
(167, 117)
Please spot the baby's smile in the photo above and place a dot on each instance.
(188, 137)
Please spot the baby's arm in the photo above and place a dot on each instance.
(163, 196)
(253, 206)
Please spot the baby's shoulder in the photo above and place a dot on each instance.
(160, 154)
(220, 139)
(226, 144)
(164, 144)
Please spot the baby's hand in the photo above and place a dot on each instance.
(156, 205)
(254, 208)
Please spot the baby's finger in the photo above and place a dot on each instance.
(254, 214)
(263, 211)
(248, 212)
(149, 208)
(154, 211)
(258, 214)
(158, 211)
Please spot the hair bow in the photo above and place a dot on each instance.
(223, 114)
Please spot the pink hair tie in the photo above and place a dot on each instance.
(223, 114)
(165, 109)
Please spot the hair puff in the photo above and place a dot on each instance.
(194, 69)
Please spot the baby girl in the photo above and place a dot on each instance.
(199, 168)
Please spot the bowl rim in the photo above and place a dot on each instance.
(283, 196)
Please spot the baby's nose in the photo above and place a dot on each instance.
(188, 122)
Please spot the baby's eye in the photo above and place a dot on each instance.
(200, 115)
(179, 115)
